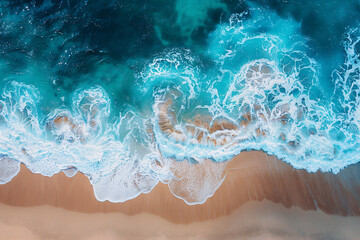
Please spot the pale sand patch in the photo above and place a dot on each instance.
(254, 220)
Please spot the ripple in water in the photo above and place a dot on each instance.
(262, 92)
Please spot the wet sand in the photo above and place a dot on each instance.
(258, 189)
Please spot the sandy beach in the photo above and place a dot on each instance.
(183, 119)
(253, 220)
(260, 198)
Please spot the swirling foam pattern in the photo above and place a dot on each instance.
(253, 88)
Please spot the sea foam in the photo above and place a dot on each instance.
(262, 93)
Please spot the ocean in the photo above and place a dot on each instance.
(124, 91)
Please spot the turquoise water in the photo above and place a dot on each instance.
(86, 86)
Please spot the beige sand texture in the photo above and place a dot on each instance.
(253, 220)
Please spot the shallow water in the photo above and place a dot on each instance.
(123, 91)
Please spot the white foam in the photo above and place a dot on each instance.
(9, 168)
(267, 101)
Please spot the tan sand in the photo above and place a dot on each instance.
(250, 176)
(254, 220)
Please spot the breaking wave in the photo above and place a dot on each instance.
(263, 92)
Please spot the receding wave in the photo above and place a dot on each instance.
(190, 120)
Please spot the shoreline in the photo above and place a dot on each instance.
(250, 176)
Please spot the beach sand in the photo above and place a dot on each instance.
(253, 220)
(260, 198)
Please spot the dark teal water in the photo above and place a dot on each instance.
(85, 84)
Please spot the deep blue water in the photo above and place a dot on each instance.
(85, 85)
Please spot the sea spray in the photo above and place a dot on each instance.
(255, 87)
